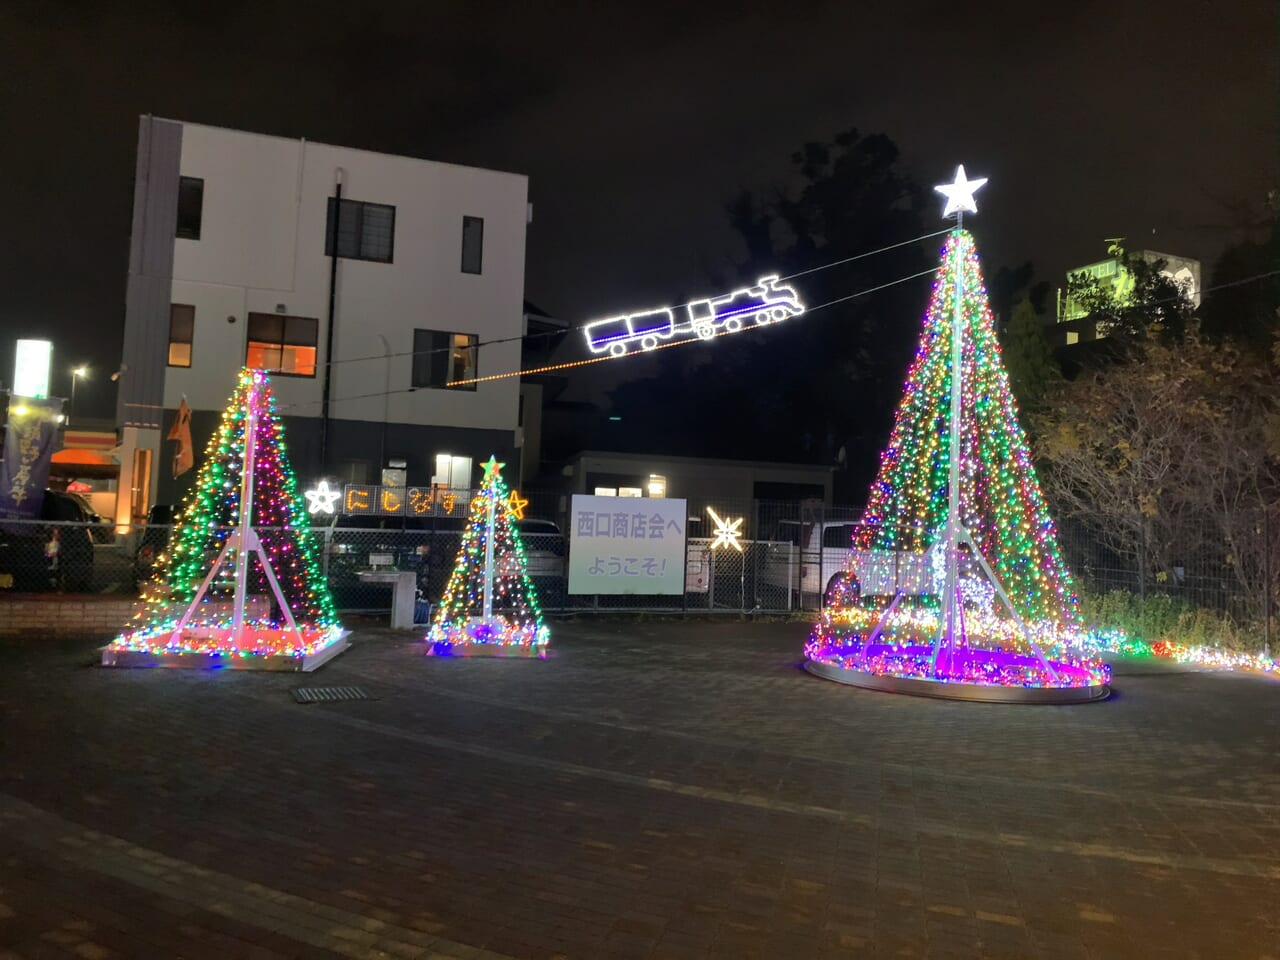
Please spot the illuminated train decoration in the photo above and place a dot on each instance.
(767, 302)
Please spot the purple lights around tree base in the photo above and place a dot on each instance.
(443, 648)
(966, 674)
(495, 636)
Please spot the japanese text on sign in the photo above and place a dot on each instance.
(370, 500)
(620, 546)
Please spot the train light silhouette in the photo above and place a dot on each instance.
(767, 302)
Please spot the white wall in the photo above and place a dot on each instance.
(262, 244)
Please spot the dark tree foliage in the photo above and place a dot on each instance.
(1028, 358)
(1009, 286)
(805, 389)
(1246, 304)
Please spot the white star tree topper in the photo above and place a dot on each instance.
(959, 193)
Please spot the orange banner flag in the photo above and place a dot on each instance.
(184, 457)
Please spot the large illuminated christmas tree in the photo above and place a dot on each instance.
(242, 584)
(490, 607)
(955, 575)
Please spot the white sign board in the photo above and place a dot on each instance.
(620, 545)
(31, 361)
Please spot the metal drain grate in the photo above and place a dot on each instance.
(329, 694)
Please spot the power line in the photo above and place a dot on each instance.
(677, 343)
(674, 343)
(600, 359)
(554, 333)
(859, 256)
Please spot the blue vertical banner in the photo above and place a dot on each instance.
(29, 439)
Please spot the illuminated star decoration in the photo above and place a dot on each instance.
(491, 470)
(516, 505)
(959, 193)
(321, 499)
(728, 532)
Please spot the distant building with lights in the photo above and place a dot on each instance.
(365, 281)
(1073, 322)
(608, 474)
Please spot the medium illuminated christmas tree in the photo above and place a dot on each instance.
(490, 607)
(242, 584)
(955, 575)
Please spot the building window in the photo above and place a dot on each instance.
(472, 244)
(190, 207)
(606, 491)
(285, 345)
(630, 492)
(365, 231)
(440, 358)
(1072, 338)
(182, 328)
(356, 471)
(657, 485)
(453, 473)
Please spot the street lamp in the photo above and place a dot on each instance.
(76, 374)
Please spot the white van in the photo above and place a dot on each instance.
(809, 558)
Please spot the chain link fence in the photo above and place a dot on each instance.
(38, 556)
(1212, 583)
(1204, 579)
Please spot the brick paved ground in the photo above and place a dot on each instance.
(655, 790)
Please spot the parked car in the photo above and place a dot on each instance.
(697, 566)
(102, 531)
(153, 542)
(426, 545)
(54, 554)
(810, 558)
(546, 556)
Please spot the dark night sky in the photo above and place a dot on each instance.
(635, 123)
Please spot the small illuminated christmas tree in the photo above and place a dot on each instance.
(490, 607)
(242, 584)
(959, 578)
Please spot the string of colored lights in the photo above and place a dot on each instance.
(205, 523)
(491, 566)
(568, 330)
(675, 343)
(1001, 507)
(577, 363)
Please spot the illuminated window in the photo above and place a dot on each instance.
(140, 485)
(472, 244)
(190, 207)
(1072, 337)
(182, 327)
(630, 492)
(606, 491)
(452, 472)
(365, 231)
(657, 485)
(440, 357)
(282, 345)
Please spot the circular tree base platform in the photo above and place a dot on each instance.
(217, 649)
(1077, 684)
(525, 651)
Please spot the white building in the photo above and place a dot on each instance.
(1074, 323)
(233, 262)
